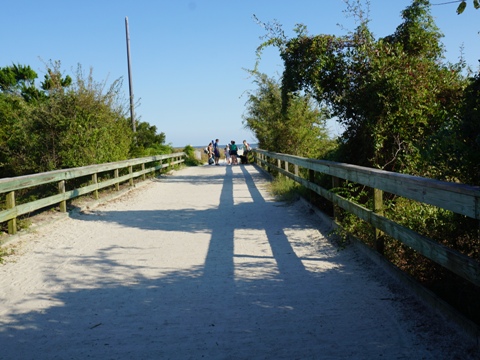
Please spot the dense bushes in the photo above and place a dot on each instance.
(66, 123)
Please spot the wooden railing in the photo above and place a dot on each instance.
(458, 198)
(132, 168)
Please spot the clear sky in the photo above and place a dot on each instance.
(188, 56)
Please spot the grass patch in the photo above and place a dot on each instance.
(3, 253)
(285, 189)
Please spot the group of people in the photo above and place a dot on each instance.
(230, 152)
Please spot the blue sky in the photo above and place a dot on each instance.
(188, 57)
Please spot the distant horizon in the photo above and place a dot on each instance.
(253, 145)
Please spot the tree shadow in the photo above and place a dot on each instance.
(236, 305)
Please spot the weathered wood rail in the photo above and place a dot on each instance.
(458, 198)
(133, 168)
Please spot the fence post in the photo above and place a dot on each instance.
(94, 181)
(311, 178)
(143, 169)
(296, 170)
(130, 171)
(286, 166)
(117, 184)
(61, 190)
(378, 209)
(336, 208)
(12, 224)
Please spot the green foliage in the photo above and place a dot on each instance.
(285, 189)
(191, 160)
(53, 80)
(467, 145)
(147, 142)
(66, 124)
(403, 110)
(262, 114)
(4, 253)
(393, 95)
(17, 79)
(146, 135)
(14, 136)
(463, 4)
(299, 129)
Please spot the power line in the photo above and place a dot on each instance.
(448, 2)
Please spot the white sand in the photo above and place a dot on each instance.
(204, 264)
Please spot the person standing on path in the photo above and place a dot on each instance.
(246, 150)
(227, 154)
(233, 152)
(216, 151)
(210, 153)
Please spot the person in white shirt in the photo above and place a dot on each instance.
(228, 159)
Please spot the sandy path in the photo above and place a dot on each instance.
(204, 264)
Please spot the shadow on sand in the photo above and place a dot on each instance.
(207, 311)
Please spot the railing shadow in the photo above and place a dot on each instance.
(235, 305)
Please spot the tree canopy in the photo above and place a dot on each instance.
(393, 95)
(299, 129)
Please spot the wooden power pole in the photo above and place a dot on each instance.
(130, 86)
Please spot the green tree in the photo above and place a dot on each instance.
(148, 141)
(147, 135)
(19, 80)
(14, 137)
(262, 114)
(298, 130)
(391, 94)
(465, 150)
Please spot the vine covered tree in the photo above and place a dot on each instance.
(392, 95)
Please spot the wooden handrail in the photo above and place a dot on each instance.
(9, 186)
(458, 198)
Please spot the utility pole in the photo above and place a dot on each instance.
(130, 86)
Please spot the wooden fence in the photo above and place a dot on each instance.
(458, 198)
(102, 176)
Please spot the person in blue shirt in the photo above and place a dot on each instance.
(216, 151)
